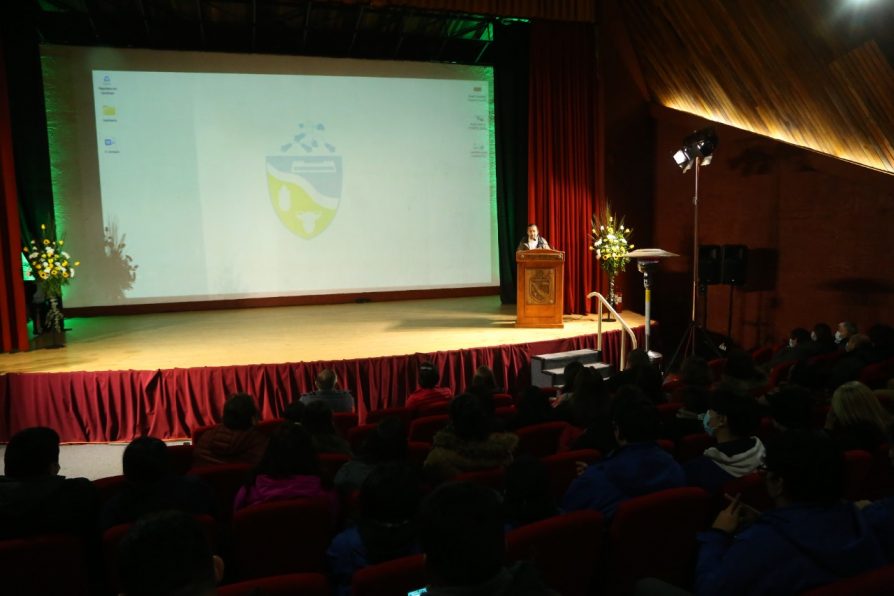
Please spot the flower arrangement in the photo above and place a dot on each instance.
(50, 264)
(609, 241)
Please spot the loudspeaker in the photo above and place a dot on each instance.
(709, 264)
(734, 264)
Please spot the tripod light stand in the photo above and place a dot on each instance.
(698, 150)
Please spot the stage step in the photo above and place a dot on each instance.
(547, 370)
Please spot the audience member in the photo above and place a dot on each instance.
(294, 412)
(811, 538)
(329, 392)
(236, 440)
(843, 333)
(694, 372)
(823, 339)
(569, 374)
(317, 421)
(688, 419)
(151, 487)
(387, 444)
(386, 527)
(638, 467)
(791, 408)
(590, 409)
(798, 348)
(856, 419)
(858, 354)
(740, 375)
(484, 383)
(461, 530)
(34, 498)
(429, 393)
(167, 554)
(528, 494)
(467, 443)
(732, 419)
(641, 373)
(288, 470)
(533, 408)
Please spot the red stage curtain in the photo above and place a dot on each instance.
(562, 161)
(13, 329)
(121, 405)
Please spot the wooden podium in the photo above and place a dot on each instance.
(541, 276)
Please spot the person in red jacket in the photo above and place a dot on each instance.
(428, 393)
(236, 440)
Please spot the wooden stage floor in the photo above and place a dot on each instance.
(290, 334)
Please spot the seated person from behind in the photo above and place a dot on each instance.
(235, 440)
(811, 538)
(528, 495)
(317, 421)
(637, 467)
(856, 418)
(428, 393)
(386, 528)
(167, 554)
(733, 420)
(387, 444)
(461, 530)
(740, 375)
(791, 408)
(533, 408)
(34, 498)
(799, 347)
(329, 392)
(532, 240)
(288, 470)
(152, 487)
(468, 442)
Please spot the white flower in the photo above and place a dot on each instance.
(66, 255)
(32, 256)
(599, 242)
(71, 273)
(611, 236)
(50, 250)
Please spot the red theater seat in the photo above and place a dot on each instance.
(281, 537)
(654, 536)
(393, 578)
(180, 458)
(423, 430)
(494, 478)
(693, 445)
(405, 414)
(540, 440)
(295, 584)
(878, 582)
(225, 481)
(343, 422)
(566, 549)
(562, 468)
(331, 463)
(857, 467)
(357, 436)
(50, 565)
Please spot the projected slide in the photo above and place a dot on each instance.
(213, 185)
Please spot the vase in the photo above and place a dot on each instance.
(55, 325)
(611, 297)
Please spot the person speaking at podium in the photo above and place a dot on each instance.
(534, 239)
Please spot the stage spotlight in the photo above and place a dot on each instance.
(699, 145)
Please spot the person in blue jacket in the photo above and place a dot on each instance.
(638, 467)
(811, 538)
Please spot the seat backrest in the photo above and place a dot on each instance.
(562, 468)
(305, 584)
(668, 446)
(567, 549)
(343, 422)
(418, 452)
(752, 491)
(780, 372)
(424, 429)
(857, 466)
(357, 436)
(503, 399)
(392, 578)
(52, 565)
(691, 446)
(877, 582)
(654, 536)
(108, 487)
(225, 481)
(880, 482)
(268, 427)
(540, 440)
(432, 410)
(376, 416)
(281, 537)
(876, 375)
(716, 365)
(180, 458)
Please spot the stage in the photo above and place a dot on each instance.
(162, 374)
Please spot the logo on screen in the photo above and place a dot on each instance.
(304, 182)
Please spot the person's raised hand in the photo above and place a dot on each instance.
(728, 520)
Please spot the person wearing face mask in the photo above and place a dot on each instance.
(812, 537)
(798, 348)
(858, 354)
(532, 240)
(843, 333)
(732, 419)
(823, 339)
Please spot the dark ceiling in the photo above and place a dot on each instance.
(309, 27)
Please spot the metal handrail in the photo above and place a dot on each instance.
(602, 301)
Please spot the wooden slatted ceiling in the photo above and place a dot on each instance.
(801, 71)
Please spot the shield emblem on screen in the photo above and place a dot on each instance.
(305, 191)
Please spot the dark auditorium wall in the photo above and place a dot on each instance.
(820, 233)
